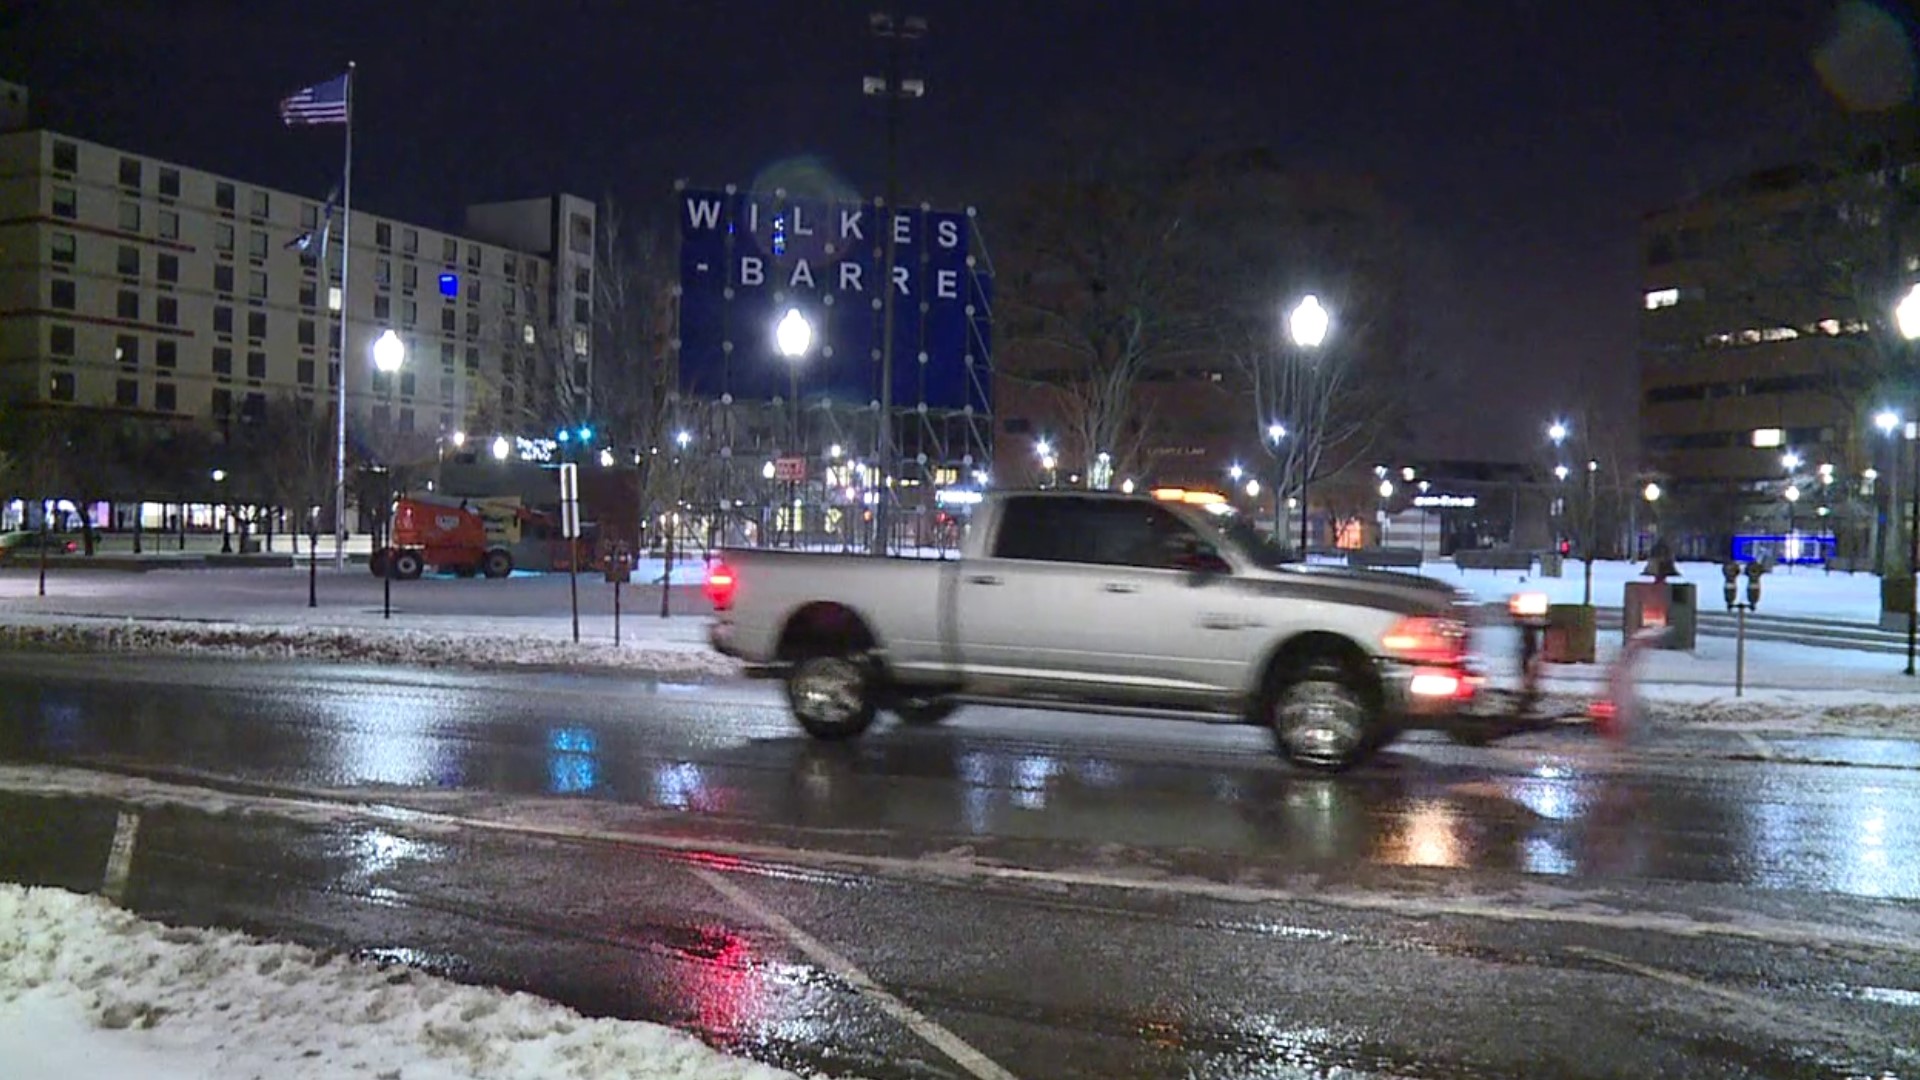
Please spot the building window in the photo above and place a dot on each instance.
(66, 157)
(406, 421)
(579, 341)
(333, 298)
(383, 383)
(580, 234)
(223, 196)
(127, 261)
(166, 268)
(383, 272)
(127, 304)
(533, 273)
(60, 386)
(383, 236)
(583, 313)
(126, 393)
(222, 278)
(166, 311)
(509, 266)
(473, 257)
(166, 354)
(66, 202)
(526, 333)
(333, 374)
(383, 306)
(130, 173)
(257, 245)
(256, 324)
(170, 183)
(409, 312)
(223, 237)
(309, 216)
(1769, 438)
(164, 399)
(309, 295)
(1662, 298)
(583, 280)
(257, 203)
(506, 302)
(446, 388)
(60, 340)
(304, 371)
(65, 248)
(223, 320)
(409, 277)
(473, 325)
(256, 365)
(129, 217)
(449, 320)
(407, 383)
(306, 332)
(126, 350)
(253, 409)
(223, 362)
(473, 360)
(449, 252)
(473, 292)
(169, 225)
(223, 405)
(63, 296)
(257, 284)
(410, 241)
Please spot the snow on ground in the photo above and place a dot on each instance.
(89, 991)
(1802, 592)
(673, 647)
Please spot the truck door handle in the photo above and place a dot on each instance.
(1120, 587)
(983, 579)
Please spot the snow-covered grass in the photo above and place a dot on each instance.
(89, 991)
(1803, 592)
(668, 648)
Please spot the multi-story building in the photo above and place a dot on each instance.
(1766, 345)
(169, 293)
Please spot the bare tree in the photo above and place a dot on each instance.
(293, 450)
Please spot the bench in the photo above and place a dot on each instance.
(1493, 559)
(1367, 558)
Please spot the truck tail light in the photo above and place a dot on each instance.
(1428, 639)
(721, 585)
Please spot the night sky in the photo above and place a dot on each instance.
(1524, 140)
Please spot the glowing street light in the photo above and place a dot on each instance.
(1043, 448)
(1560, 472)
(682, 439)
(1276, 432)
(1253, 489)
(606, 457)
(389, 352)
(767, 471)
(1790, 461)
(1557, 431)
(793, 335)
(1236, 472)
(1793, 493)
(1907, 315)
(501, 448)
(1652, 492)
(458, 438)
(1887, 421)
(1386, 489)
(1308, 322)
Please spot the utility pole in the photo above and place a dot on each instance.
(895, 32)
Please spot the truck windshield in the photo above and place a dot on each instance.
(1255, 546)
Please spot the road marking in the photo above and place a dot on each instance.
(1752, 1003)
(120, 856)
(317, 807)
(1759, 745)
(962, 1052)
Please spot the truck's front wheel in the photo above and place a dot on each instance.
(1324, 713)
(832, 696)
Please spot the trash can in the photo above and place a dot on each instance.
(1650, 605)
(1552, 564)
(1570, 635)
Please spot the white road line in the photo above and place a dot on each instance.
(120, 856)
(317, 806)
(962, 1052)
(1759, 745)
(1752, 1003)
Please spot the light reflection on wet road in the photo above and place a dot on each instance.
(1050, 983)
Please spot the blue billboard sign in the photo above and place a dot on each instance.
(746, 258)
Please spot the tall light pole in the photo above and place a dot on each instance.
(897, 89)
(1275, 433)
(1906, 316)
(389, 352)
(1307, 326)
(793, 337)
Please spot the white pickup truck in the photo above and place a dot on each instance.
(1089, 598)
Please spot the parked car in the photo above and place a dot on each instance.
(25, 543)
(1078, 597)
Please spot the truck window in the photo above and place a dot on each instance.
(1098, 532)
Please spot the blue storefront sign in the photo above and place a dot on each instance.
(746, 258)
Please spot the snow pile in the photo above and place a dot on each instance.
(87, 990)
(366, 645)
(1799, 592)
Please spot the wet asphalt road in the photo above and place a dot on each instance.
(1066, 894)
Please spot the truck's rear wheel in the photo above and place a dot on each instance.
(832, 696)
(496, 564)
(407, 565)
(1324, 711)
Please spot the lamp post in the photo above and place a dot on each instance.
(1588, 542)
(1307, 326)
(389, 352)
(1386, 493)
(1907, 317)
(1275, 433)
(793, 336)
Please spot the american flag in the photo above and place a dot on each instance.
(321, 103)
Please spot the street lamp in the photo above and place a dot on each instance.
(389, 352)
(793, 336)
(1652, 493)
(1560, 472)
(1307, 326)
(502, 449)
(1790, 461)
(1907, 317)
(1557, 431)
(1236, 472)
(459, 439)
(1275, 433)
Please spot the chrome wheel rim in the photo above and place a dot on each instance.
(828, 691)
(1320, 722)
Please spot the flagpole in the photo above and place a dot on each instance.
(340, 432)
